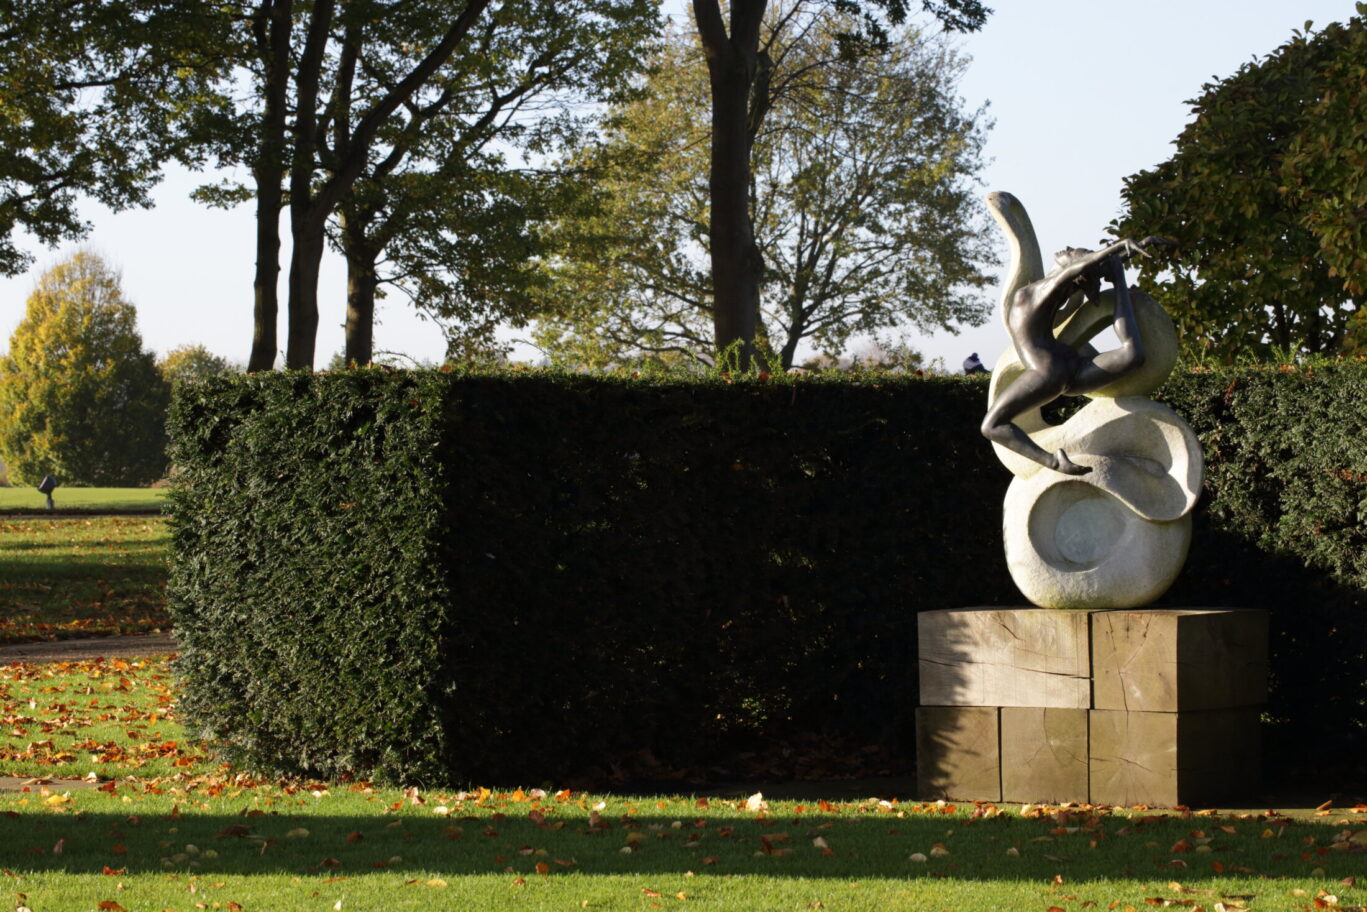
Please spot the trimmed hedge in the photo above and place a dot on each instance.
(448, 576)
(440, 577)
(1283, 526)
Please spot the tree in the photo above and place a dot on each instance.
(79, 398)
(366, 116)
(189, 363)
(1266, 196)
(864, 210)
(438, 199)
(739, 78)
(94, 98)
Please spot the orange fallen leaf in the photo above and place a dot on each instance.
(649, 892)
(110, 906)
(542, 868)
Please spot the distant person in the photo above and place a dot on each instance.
(973, 366)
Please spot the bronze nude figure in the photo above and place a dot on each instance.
(1054, 368)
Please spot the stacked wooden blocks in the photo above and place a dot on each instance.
(1119, 707)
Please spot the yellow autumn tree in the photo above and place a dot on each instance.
(79, 398)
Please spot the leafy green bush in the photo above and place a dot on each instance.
(1283, 526)
(502, 575)
(451, 575)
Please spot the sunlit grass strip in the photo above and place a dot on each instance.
(108, 718)
(88, 576)
(212, 839)
(26, 497)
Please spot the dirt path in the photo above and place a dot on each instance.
(143, 644)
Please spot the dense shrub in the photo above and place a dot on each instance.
(526, 574)
(477, 575)
(1283, 526)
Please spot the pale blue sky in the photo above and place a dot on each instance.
(1083, 92)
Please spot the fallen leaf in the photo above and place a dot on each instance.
(110, 906)
(542, 868)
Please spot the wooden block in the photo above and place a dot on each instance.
(1166, 759)
(1004, 657)
(1044, 755)
(1180, 659)
(957, 753)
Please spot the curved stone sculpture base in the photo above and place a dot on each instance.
(1071, 544)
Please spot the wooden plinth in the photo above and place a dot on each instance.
(1119, 707)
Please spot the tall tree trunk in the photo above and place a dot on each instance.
(308, 217)
(305, 264)
(362, 278)
(271, 27)
(737, 266)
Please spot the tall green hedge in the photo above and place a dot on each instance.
(465, 575)
(452, 576)
(1283, 526)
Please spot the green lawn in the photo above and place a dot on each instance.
(26, 498)
(189, 833)
(67, 577)
(166, 825)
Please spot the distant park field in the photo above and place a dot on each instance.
(26, 498)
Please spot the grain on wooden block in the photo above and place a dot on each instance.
(957, 753)
(1165, 759)
(1044, 754)
(1004, 657)
(1179, 659)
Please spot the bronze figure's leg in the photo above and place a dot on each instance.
(1032, 390)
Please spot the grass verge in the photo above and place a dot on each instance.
(89, 576)
(178, 843)
(26, 499)
(179, 831)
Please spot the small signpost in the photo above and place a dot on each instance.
(46, 487)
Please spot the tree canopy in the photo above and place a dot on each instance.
(863, 206)
(79, 398)
(1266, 196)
(189, 363)
(94, 98)
(739, 69)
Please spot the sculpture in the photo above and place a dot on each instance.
(1099, 513)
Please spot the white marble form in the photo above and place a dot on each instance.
(1117, 536)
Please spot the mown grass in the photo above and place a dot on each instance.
(181, 831)
(81, 576)
(109, 718)
(172, 844)
(25, 498)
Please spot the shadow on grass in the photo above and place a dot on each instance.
(865, 845)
